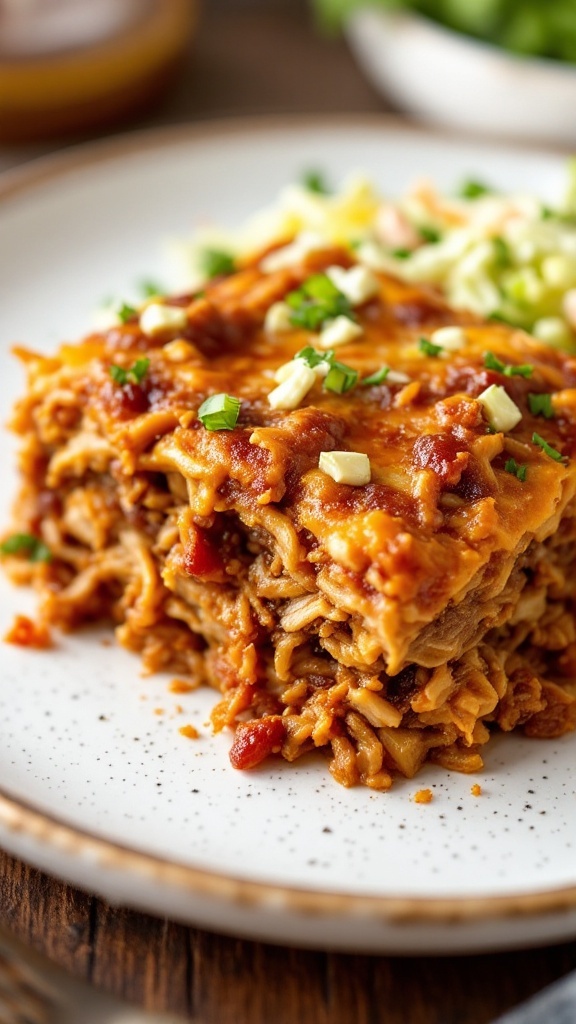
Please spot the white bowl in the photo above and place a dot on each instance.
(443, 76)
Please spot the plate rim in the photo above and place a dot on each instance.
(19, 816)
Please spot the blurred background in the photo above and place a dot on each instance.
(71, 70)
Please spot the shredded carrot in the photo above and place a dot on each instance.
(26, 633)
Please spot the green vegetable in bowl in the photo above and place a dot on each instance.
(531, 27)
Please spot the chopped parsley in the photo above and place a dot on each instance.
(401, 254)
(317, 300)
(217, 262)
(312, 357)
(26, 544)
(519, 471)
(548, 449)
(430, 235)
(220, 412)
(150, 289)
(125, 312)
(378, 377)
(491, 362)
(428, 348)
(340, 378)
(134, 375)
(315, 181)
(541, 405)
(473, 189)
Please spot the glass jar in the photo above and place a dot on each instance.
(73, 65)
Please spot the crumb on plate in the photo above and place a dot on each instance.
(24, 632)
(190, 731)
(423, 796)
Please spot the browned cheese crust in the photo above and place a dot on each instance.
(388, 623)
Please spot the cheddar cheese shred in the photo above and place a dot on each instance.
(397, 615)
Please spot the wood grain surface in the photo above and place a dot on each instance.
(251, 58)
(211, 979)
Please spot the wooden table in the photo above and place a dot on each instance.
(251, 58)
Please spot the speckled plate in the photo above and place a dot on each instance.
(99, 788)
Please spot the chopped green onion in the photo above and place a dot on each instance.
(519, 471)
(217, 263)
(547, 213)
(340, 378)
(472, 189)
(428, 348)
(312, 357)
(125, 312)
(376, 378)
(134, 375)
(430, 235)
(314, 181)
(401, 254)
(317, 300)
(541, 405)
(220, 412)
(150, 289)
(501, 318)
(26, 544)
(502, 256)
(547, 448)
(491, 362)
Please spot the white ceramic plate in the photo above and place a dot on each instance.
(97, 788)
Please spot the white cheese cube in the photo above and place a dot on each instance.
(339, 331)
(105, 318)
(358, 283)
(503, 414)
(285, 371)
(277, 319)
(158, 319)
(397, 377)
(346, 467)
(449, 338)
(292, 390)
(304, 244)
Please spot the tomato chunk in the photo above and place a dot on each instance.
(255, 740)
(201, 557)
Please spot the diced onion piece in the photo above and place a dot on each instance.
(157, 319)
(569, 307)
(559, 271)
(449, 338)
(179, 351)
(501, 411)
(304, 244)
(358, 283)
(346, 467)
(553, 330)
(277, 319)
(339, 331)
(397, 377)
(292, 390)
(105, 318)
(287, 369)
